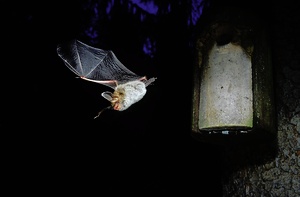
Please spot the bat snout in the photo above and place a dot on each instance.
(117, 106)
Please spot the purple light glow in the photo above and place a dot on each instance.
(196, 11)
(149, 7)
(149, 47)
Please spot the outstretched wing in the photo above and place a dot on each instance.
(98, 65)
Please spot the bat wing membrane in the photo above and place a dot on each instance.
(101, 66)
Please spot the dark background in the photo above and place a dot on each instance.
(55, 145)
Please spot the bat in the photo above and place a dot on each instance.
(103, 67)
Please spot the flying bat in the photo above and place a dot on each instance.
(103, 67)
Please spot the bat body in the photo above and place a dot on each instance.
(103, 67)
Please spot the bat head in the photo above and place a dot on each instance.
(126, 94)
(116, 99)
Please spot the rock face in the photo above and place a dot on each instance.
(273, 168)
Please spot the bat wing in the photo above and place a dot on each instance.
(98, 65)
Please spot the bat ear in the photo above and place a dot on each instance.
(107, 95)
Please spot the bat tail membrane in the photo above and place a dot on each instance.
(149, 81)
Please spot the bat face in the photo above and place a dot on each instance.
(103, 67)
(127, 94)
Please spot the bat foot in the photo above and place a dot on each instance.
(100, 112)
